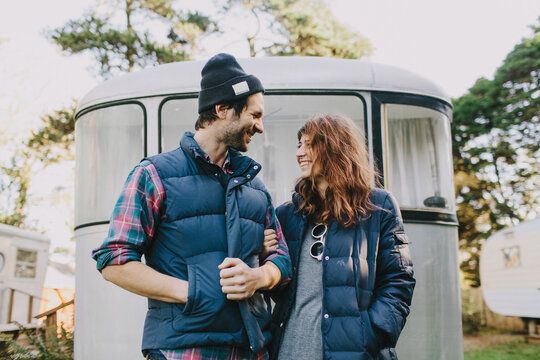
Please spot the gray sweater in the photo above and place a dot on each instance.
(302, 338)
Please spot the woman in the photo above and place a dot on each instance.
(353, 278)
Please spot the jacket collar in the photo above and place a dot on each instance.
(296, 197)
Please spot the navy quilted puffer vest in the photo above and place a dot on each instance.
(209, 216)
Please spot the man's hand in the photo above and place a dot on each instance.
(240, 282)
(270, 243)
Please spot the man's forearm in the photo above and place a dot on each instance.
(141, 279)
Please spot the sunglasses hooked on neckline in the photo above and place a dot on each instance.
(317, 248)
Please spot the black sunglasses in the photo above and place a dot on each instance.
(317, 248)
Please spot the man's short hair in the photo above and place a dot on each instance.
(209, 116)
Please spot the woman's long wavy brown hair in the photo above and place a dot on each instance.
(339, 155)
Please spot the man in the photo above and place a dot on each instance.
(199, 214)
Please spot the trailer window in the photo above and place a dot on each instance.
(276, 147)
(177, 117)
(418, 168)
(25, 265)
(110, 141)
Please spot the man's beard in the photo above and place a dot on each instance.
(236, 138)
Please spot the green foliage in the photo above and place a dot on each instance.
(307, 27)
(14, 182)
(16, 219)
(496, 145)
(120, 48)
(41, 347)
(119, 41)
(116, 48)
(52, 143)
(517, 350)
(55, 140)
(470, 314)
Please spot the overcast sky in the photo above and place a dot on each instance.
(450, 42)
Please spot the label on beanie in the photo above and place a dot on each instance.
(240, 88)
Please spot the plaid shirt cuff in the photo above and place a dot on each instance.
(280, 257)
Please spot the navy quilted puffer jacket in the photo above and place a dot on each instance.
(367, 282)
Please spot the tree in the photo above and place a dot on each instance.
(496, 145)
(14, 181)
(52, 143)
(55, 140)
(15, 170)
(303, 27)
(120, 40)
(131, 46)
(116, 48)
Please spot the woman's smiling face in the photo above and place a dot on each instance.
(303, 156)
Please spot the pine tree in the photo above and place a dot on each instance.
(496, 145)
(301, 27)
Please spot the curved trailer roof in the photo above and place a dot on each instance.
(276, 73)
(9, 231)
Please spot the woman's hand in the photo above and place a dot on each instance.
(270, 243)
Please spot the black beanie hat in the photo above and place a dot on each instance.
(224, 80)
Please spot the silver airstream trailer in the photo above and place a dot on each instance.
(407, 122)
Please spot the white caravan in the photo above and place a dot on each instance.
(23, 264)
(510, 272)
(407, 122)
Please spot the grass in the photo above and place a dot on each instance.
(503, 347)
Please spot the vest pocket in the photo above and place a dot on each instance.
(207, 307)
(204, 290)
(192, 289)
